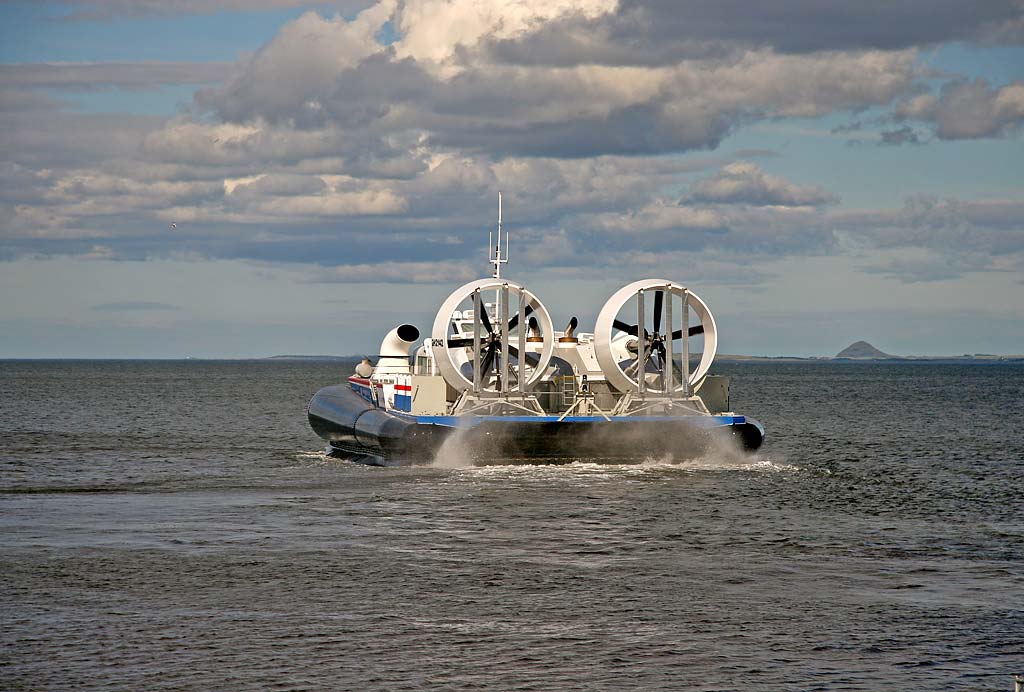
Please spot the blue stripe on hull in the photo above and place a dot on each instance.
(473, 421)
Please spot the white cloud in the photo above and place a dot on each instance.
(396, 272)
(657, 216)
(54, 139)
(977, 235)
(433, 30)
(393, 153)
(332, 204)
(301, 64)
(584, 110)
(969, 109)
(745, 183)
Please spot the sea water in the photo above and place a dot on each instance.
(175, 525)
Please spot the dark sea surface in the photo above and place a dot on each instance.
(175, 526)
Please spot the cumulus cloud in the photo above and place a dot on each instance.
(21, 183)
(332, 146)
(290, 75)
(329, 203)
(645, 26)
(443, 84)
(657, 216)
(578, 111)
(396, 272)
(966, 235)
(51, 139)
(796, 26)
(433, 30)
(652, 32)
(745, 183)
(969, 109)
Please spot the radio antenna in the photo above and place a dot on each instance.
(495, 256)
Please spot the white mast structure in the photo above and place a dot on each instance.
(494, 255)
(501, 307)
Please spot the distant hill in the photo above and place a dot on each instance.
(862, 349)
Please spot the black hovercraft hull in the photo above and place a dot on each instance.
(357, 429)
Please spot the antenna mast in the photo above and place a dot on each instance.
(494, 251)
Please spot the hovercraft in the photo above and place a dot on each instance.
(496, 377)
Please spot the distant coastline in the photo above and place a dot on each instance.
(311, 358)
(737, 358)
(863, 352)
(978, 359)
(857, 352)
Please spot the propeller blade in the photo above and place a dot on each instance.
(485, 320)
(515, 318)
(628, 328)
(531, 358)
(694, 331)
(659, 298)
(488, 361)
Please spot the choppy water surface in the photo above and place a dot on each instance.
(175, 526)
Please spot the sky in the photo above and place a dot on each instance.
(245, 178)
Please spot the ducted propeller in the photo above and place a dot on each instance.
(484, 353)
(645, 353)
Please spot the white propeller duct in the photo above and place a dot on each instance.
(659, 338)
(492, 346)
